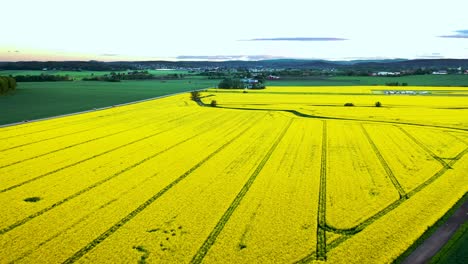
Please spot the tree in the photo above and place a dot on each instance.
(7, 84)
(195, 95)
(3, 85)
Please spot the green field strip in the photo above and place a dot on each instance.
(210, 240)
(118, 113)
(87, 141)
(80, 253)
(56, 204)
(424, 147)
(58, 126)
(384, 164)
(102, 124)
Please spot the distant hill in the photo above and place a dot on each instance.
(372, 65)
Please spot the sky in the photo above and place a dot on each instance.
(242, 29)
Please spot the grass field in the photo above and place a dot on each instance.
(78, 75)
(45, 99)
(272, 176)
(454, 251)
(414, 80)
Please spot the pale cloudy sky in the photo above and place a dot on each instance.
(154, 29)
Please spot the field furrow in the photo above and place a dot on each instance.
(70, 156)
(357, 184)
(410, 163)
(34, 151)
(27, 131)
(277, 175)
(321, 251)
(65, 185)
(169, 227)
(441, 143)
(150, 181)
(276, 221)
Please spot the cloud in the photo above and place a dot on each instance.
(109, 55)
(295, 39)
(460, 34)
(229, 57)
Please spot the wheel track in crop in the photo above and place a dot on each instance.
(300, 114)
(80, 253)
(365, 223)
(439, 173)
(424, 147)
(121, 114)
(384, 164)
(86, 159)
(48, 139)
(85, 217)
(94, 185)
(459, 138)
(320, 252)
(58, 136)
(87, 141)
(322, 203)
(210, 240)
(58, 126)
(90, 120)
(348, 233)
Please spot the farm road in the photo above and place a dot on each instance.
(439, 238)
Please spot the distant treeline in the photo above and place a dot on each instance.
(133, 75)
(359, 66)
(396, 84)
(42, 78)
(235, 83)
(7, 84)
(66, 65)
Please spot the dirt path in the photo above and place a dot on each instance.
(439, 238)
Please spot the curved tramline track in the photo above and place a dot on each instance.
(204, 184)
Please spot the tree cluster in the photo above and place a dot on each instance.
(236, 83)
(133, 75)
(42, 78)
(396, 84)
(7, 84)
(230, 83)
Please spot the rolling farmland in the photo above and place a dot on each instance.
(281, 175)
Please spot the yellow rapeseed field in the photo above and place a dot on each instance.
(280, 175)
